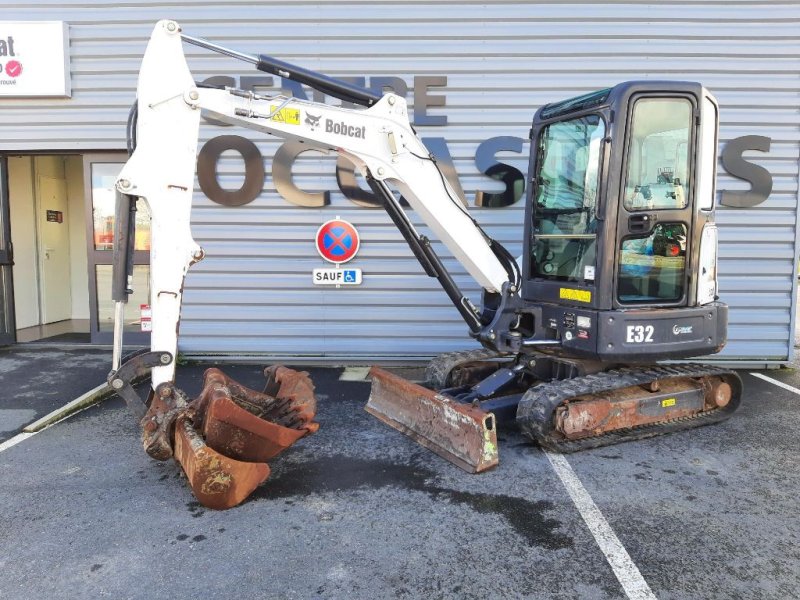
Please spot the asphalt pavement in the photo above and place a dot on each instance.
(360, 511)
(36, 380)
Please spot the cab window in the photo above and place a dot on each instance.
(658, 163)
(566, 188)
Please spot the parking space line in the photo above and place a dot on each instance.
(354, 374)
(93, 396)
(20, 437)
(780, 384)
(624, 568)
(80, 403)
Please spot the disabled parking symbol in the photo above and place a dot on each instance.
(337, 242)
(349, 276)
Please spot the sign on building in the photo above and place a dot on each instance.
(34, 59)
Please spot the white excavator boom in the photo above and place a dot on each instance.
(379, 140)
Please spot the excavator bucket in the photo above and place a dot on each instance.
(224, 437)
(460, 433)
(255, 426)
(217, 481)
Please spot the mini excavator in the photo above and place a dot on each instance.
(619, 272)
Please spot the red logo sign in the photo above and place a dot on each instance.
(337, 241)
(13, 68)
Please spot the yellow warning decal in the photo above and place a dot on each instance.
(668, 402)
(290, 116)
(577, 295)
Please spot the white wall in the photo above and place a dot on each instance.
(79, 278)
(23, 236)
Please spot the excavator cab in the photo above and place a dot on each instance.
(620, 222)
(619, 271)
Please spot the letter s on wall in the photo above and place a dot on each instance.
(759, 178)
(512, 177)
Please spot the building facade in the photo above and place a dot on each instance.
(473, 73)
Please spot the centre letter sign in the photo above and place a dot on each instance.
(34, 59)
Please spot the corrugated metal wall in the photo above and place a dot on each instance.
(253, 293)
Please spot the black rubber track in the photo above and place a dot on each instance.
(439, 369)
(536, 409)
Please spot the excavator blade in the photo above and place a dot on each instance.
(460, 433)
(217, 481)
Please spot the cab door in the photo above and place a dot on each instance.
(656, 208)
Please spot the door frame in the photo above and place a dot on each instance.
(6, 260)
(103, 257)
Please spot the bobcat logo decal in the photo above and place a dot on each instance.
(312, 121)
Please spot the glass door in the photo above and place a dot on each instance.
(100, 173)
(656, 211)
(8, 333)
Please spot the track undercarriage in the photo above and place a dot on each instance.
(562, 403)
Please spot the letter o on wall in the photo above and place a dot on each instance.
(253, 170)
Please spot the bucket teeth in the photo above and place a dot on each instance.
(252, 426)
(224, 437)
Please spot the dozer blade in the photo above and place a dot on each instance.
(460, 433)
(217, 481)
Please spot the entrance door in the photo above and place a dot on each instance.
(7, 326)
(101, 172)
(54, 262)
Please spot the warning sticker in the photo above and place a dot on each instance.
(668, 402)
(146, 317)
(290, 116)
(577, 295)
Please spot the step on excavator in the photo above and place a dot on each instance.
(618, 272)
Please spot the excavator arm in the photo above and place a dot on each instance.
(379, 140)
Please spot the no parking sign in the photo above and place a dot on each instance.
(337, 241)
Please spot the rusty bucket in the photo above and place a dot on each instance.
(255, 426)
(224, 437)
(217, 481)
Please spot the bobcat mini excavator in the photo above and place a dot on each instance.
(619, 271)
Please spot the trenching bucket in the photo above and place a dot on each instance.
(460, 433)
(224, 437)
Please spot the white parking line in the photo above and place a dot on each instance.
(776, 382)
(80, 403)
(624, 568)
(20, 437)
(354, 374)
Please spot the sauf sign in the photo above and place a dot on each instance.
(34, 59)
(425, 95)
